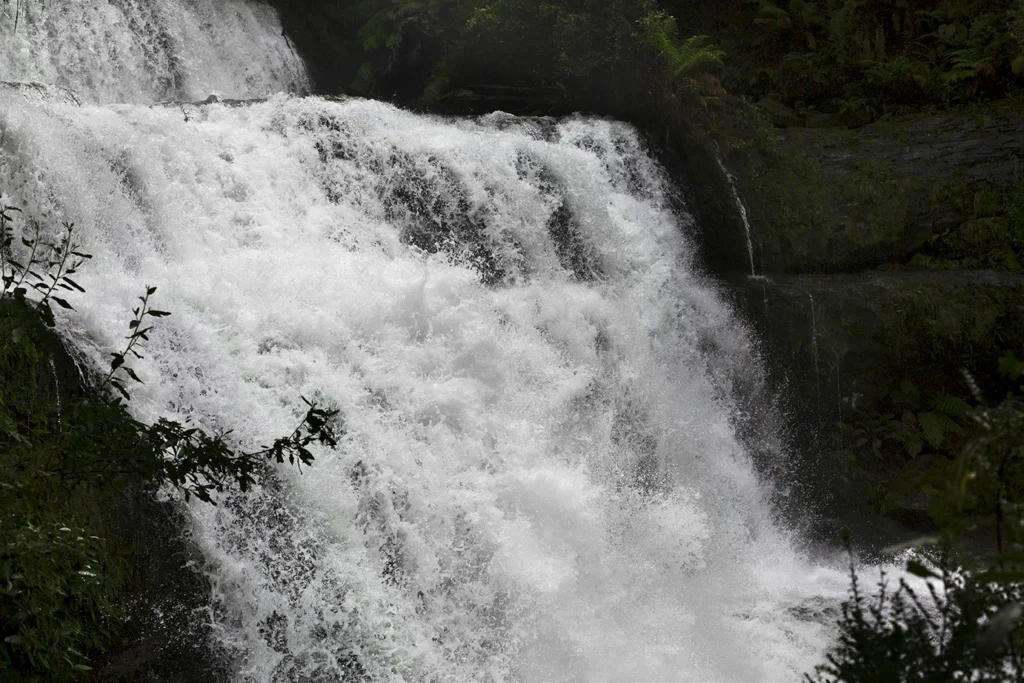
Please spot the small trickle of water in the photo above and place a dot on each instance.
(740, 206)
(814, 347)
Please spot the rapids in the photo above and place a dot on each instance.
(542, 477)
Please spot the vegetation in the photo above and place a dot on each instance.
(71, 452)
(567, 53)
(859, 59)
(866, 56)
(967, 621)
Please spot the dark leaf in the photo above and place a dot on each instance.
(918, 569)
(74, 284)
(120, 388)
(914, 543)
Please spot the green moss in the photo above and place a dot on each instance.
(811, 219)
(972, 238)
(955, 193)
(1013, 200)
(988, 201)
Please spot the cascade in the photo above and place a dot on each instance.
(541, 477)
(142, 51)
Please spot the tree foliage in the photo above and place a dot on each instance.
(416, 51)
(857, 58)
(877, 54)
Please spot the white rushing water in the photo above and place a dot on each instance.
(541, 478)
(148, 51)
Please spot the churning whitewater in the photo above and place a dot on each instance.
(541, 477)
(145, 51)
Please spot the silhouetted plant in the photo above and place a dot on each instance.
(48, 265)
(967, 620)
(138, 334)
(955, 626)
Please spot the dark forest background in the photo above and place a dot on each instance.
(860, 59)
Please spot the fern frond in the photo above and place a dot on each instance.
(935, 426)
(774, 17)
(696, 55)
(952, 406)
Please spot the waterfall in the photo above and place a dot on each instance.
(541, 477)
(145, 51)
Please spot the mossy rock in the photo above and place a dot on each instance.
(842, 343)
(838, 200)
(978, 236)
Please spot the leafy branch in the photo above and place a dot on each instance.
(970, 625)
(138, 333)
(199, 464)
(47, 269)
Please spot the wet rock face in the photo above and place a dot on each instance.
(33, 91)
(167, 637)
(318, 666)
(837, 200)
(846, 341)
(839, 346)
